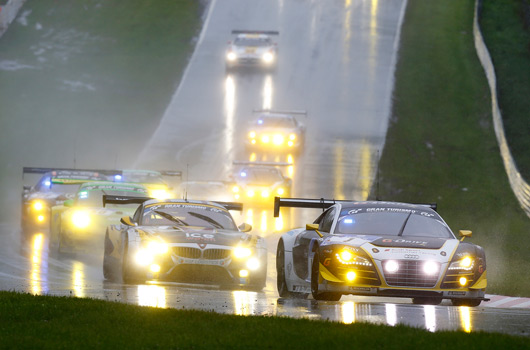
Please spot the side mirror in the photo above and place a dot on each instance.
(27, 189)
(244, 227)
(311, 227)
(68, 203)
(127, 220)
(465, 233)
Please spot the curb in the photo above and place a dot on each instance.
(502, 301)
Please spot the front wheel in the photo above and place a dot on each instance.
(466, 302)
(315, 279)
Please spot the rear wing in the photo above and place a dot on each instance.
(36, 170)
(266, 32)
(317, 204)
(109, 199)
(281, 111)
(262, 163)
(171, 173)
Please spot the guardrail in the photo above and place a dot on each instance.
(8, 12)
(519, 186)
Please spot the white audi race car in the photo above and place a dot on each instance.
(378, 248)
(252, 49)
(184, 241)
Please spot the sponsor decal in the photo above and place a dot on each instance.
(457, 293)
(405, 241)
(360, 289)
(480, 269)
(411, 256)
(201, 236)
(327, 261)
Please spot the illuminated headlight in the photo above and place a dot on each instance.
(465, 264)
(159, 194)
(391, 266)
(157, 248)
(292, 137)
(231, 56)
(40, 218)
(235, 189)
(38, 206)
(277, 139)
(347, 257)
(268, 57)
(155, 268)
(252, 134)
(253, 264)
(250, 193)
(431, 268)
(243, 273)
(265, 194)
(351, 276)
(242, 252)
(144, 257)
(462, 281)
(265, 139)
(81, 219)
(280, 191)
(290, 143)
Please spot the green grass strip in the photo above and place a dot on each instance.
(44, 322)
(508, 41)
(441, 144)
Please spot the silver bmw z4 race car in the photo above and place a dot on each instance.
(184, 241)
(381, 249)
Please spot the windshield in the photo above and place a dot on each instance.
(392, 224)
(92, 196)
(252, 41)
(261, 176)
(276, 122)
(187, 215)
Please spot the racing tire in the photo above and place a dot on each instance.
(315, 277)
(111, 267)
(426, 301)
(281, 283)
(466, 302)
(128, 274)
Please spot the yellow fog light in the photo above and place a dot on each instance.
(235, 189)
(243, 273)
(143, 258)
(38, 206)
(290, 143)
(292, 137)
(236, 196)
(350, 276)
(40, 218)
(253, 264)
(250, 193)
(277, 139)
(346, 256)
(466, 262)
(252, 135)
(265, 194)
(81, 219)
(280, 191)
(253, 141)
(265, 139)
(154, 268)
(242, 252)
(159, 194)
(463, 281)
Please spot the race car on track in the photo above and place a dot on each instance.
(54, 186)
(276, 131)
(259, 182)
(380, 249)
(184, 241)
(153, 180)
(79, 225)
(252, 49)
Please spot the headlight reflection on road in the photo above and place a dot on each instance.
(228, 132)
(244, 302)
(39, 266)
(465, 318)
(348, 312)
(152, 295)
(78, 279)
(267, 93)
(391, 314)
(430, 317)
(339, 170)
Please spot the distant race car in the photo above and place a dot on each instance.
(380, 249)
(79, 225)
(205, 190)
(153, 180)
(184, 241)
(252, 49)
(54, 187)
(276, 131)
(260, 182)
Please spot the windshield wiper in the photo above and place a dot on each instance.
(207, 219)
(404, 224)
(171, 218)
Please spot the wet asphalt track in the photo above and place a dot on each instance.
(336, 61)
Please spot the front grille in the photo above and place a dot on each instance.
(187, 252)
(216, 254)
(410, 274)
